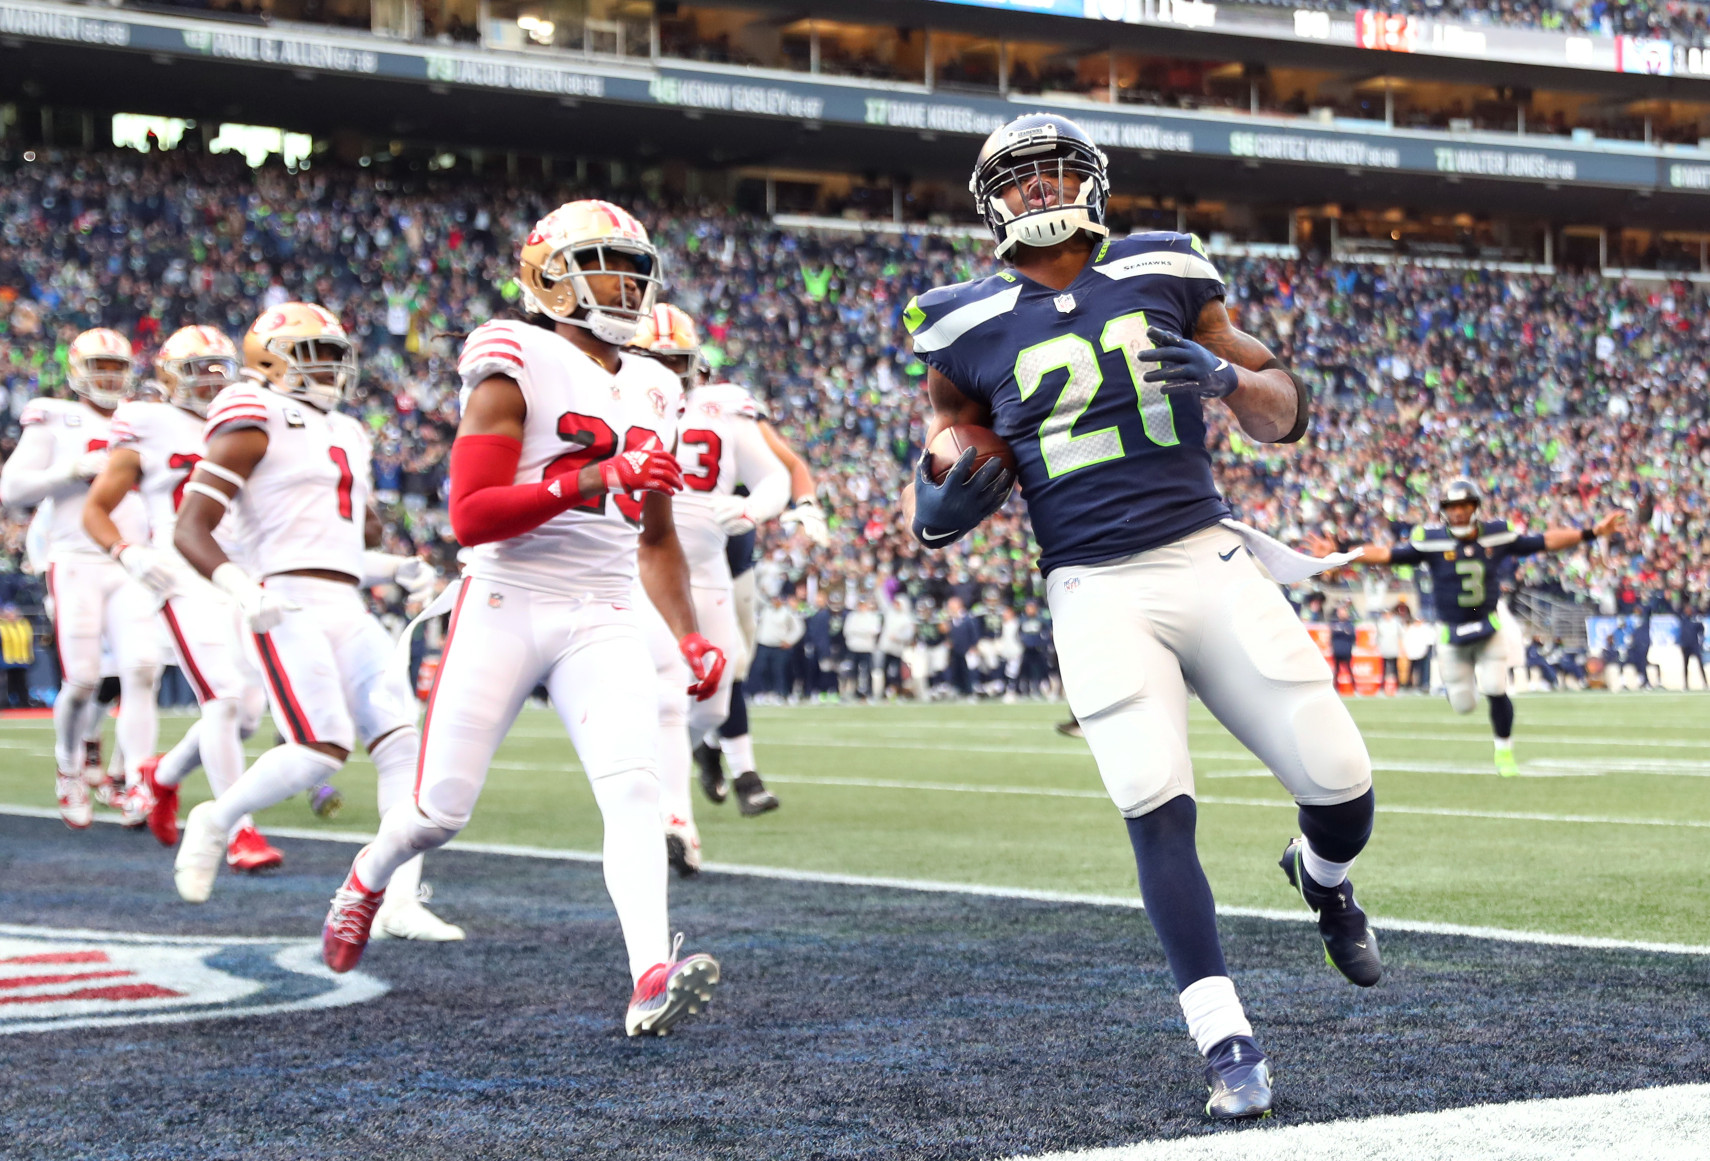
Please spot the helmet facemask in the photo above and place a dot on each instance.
(104, 381)
(321, 370)
(1020, 165)
(575, 263)
(193, 382)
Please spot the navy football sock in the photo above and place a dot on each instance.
(736, 725)
(1502, 716)
(1340, 832)
(1173, 887)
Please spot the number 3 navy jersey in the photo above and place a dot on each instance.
(1464, 573)
(1108, 464)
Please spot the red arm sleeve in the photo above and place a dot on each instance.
(486, 505)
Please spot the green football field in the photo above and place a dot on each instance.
(1607, 833)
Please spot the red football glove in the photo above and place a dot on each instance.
(706, 662)
(644, 470)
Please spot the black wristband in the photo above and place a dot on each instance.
(1587, 535)
(1302, 404)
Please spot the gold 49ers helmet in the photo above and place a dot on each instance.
(583, 239)
(669, 335)
(99, 367)
(194, 365)
(302, 350)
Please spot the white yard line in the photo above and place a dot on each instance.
(933, 886)
(1652, 1124)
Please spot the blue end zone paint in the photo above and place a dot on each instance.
(855, 1022)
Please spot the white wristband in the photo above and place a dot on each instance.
(380, 566)
(220, 473)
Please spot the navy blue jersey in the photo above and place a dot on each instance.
(1108, 465)
(1466, 574)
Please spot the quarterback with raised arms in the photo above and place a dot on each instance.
(561, 484)
(1094, 357)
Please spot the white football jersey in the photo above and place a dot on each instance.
(578, 414)
(78, 429)
(305, 504)
(720, 446)
(168, 443)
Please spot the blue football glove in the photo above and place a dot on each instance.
(1186, 367)
(944, 513)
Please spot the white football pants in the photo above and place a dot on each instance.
(1132, 634)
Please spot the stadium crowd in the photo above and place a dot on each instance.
(1558, 395)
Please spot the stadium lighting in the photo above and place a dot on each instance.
(540, 31)
(131, 130)
(255, 142)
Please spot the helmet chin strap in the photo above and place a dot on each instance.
(606, 327)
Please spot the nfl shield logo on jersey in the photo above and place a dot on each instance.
(54, 980)
(1065, 303)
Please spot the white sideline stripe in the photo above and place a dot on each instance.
(1652, 1124)
(939, 887)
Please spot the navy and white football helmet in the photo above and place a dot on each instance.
(1051, 146)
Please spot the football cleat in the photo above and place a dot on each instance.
(163, 818)
(73, 795)
(349, 921)
(1506, 765)
(752, 797)
(105, 790)
(199, 851)
(1238, 1074)
(711, 765)
(134, 805)
(682, 846)
(325, 800)
(249, 852)
(667, 992)
(409, 919)
(1070, 728)
(1350, 946)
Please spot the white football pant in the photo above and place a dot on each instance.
(93, 598)
(1132, 634)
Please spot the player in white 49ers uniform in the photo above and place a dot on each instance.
(63, 447)
(720, 446)
(561, 484)
(155, 446)
(302, 470)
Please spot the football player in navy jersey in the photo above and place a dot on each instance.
(1467, 558)
(1095, 357)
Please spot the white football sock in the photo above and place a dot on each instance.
(395, 757)
(739, 752)
(634, 856)
(675, 762)
(68, 732)
(1504, 744)
(181, 761)
(220, 744)
(277, 775)
(138, 728)
(404, 835)
(89, 721)
(1213, 1012)
(1320, 869)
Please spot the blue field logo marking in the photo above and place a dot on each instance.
(53, 979)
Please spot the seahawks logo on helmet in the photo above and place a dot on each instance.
(1046, 151)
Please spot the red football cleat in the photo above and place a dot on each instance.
(349, 920)
(248, 851)
(163, 818)
(667, 992)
